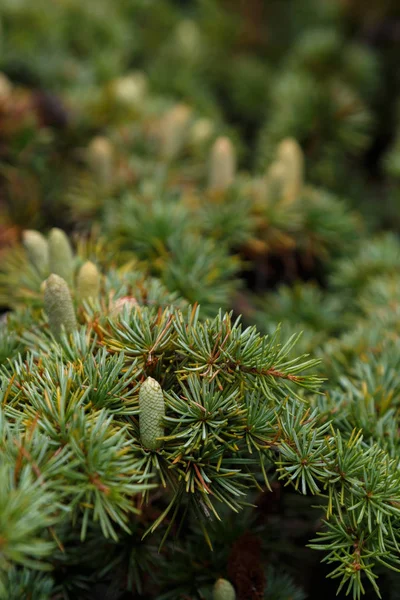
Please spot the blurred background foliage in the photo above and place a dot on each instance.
(324, 72)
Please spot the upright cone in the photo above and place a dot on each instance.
(223, 590)
(37, 249)
(61, 257)
(222, 165)
(174, 130)
(58, 306)
(152, 411)
(100, 155)
(88, 281)
(130, 90)
(291, 156)
(5, 90)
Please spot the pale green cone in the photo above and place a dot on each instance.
(130, 90)
(58, 306)
(100, 157)
(88, 281)
(188, 40)
(6, 89)
(151, 413)
(222, 167)
(201, 131)
(291, 155)
(223, 590)
(37, 249)
(61, 257)
(174, 130)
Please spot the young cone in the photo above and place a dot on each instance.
(152, 411)
(100, 159)
(130, 90)
(188, 39)
(37, 249)
(88, 281)
(201, 131)
(223, 590)
(222, 165)
(58, 306)
(291, 155)
(5, 89)
(174, 129)
(60, 255)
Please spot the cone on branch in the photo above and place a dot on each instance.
(152, 411)
(61, 256)
(88, 281)
(37, 249)
(58, 306)
(223, 590)
(222, 168)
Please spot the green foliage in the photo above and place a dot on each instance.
(304, 307)
(84, 401)
(25, 583)
(280, 585)
(378, 258)
(232, 417)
